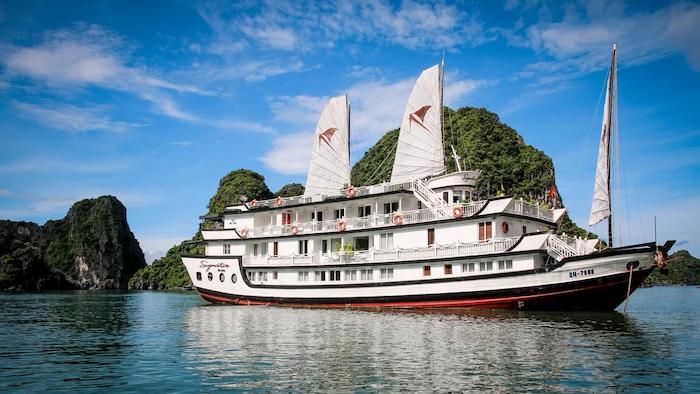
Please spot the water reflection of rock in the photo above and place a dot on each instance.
(321, 350)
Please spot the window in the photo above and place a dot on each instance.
(286, 218)
(485, 232)
(227, 248)
(486, 266)
(275, 249)
(263, 249)
(339, 213)
(524, 229)
(426, 270)
(448, 269)
(505, 264)
(366, 274)
(364, 211)
(304, 246)
(468, 267)
(350, 274)
(324, 246)
(320, 276)
(361, 243)
(274, 275)
(386, 241)
(234, 278)
(255, 249)
(251, 275)
(199, 276)
(222, 277)
(262, 276)
(386, 273)
(431, 236)
(391, 207)
(319, 216)
(210, 276)
(303, 276)
(420, 204)
(446, 196)
(334, 275)
(336, 243)
(456, 196)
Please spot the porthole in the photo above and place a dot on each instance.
(222, 277)
(199, 276)
(234, 278)
(210, 276)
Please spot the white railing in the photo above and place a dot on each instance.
(398, 254)
(373, 221)
(560, 249)
(521, 207)
(429, 197)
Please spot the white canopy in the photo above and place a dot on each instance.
(329, 170)
(420, 152)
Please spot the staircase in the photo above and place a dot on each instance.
(429, 198)
(559, 249)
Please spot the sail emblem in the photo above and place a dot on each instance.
(419, 117)
(327, 135)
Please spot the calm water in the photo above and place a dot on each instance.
(135, 341)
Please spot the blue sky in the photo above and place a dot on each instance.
(155, 102)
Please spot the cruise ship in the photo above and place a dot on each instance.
(420, 240)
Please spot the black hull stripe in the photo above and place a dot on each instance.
(638, 278)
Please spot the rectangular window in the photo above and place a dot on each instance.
(456, 196)
(324, 246)
(431, 236)
(386, 273)
(319, 216)
(199, 276)
(320, 276)
(255, 249)
(336, 243)
(446, 196)
(303, 276)
(468, 267)
(426, 270)
(262, 276)
(304, 246)
(339, 213)
(350, 274)
(391, 207)
(386, 241)
(524, 229)
(334, 275)
(275, 249)
(286, 218)
(227, 248)
(366, 274)
(448, 269)
(274, 275)
(263, 249)
(505, 264)
(361, 243)
(420, 204)
(486, 266)
(485, 231)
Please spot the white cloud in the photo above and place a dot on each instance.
(4, 192)
(181, 143)
(155, 247)
(70, 118)
(290, 154)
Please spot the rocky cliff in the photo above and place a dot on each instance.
(91, 248)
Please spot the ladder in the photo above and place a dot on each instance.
(429, 198)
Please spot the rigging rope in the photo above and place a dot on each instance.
(380, 166)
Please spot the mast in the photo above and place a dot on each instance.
(602, 196)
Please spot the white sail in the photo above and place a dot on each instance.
(329, 170)
(419, 152)
(601, 208)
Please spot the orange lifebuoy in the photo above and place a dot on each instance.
(278, 201)
(294, 229)
(341, 225)
(458, 211)
(505, 227)
(254, 203)
(397, 218)
(244, 233)
(350, 192)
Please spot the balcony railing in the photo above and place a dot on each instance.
(520, 207)
(373, 221)
(378, 256)
(561, 246)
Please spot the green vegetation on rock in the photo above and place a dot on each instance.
(91, 248)
(290, 190)
(683, 269)
(237, 185)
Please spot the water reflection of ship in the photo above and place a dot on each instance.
(314, 350)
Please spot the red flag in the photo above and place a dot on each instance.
(553, 195)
